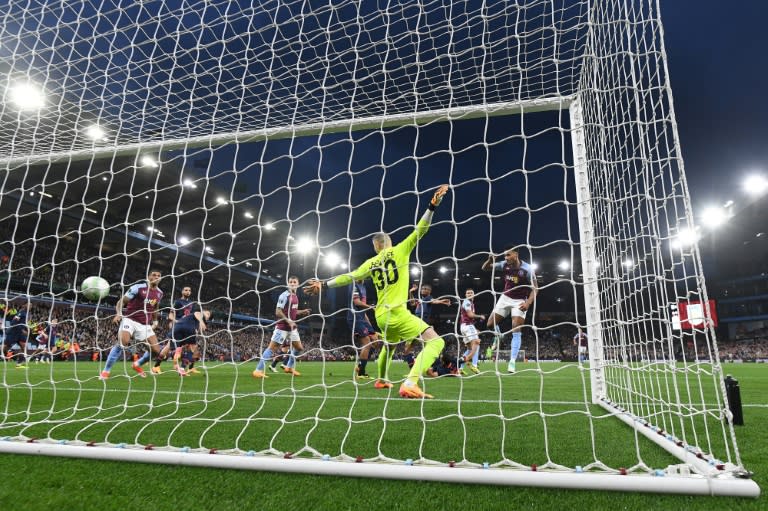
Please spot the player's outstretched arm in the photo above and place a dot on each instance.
(314, 286)
(423, 226)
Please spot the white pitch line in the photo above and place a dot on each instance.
(287, 395)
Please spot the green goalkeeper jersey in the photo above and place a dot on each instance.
(389, 271)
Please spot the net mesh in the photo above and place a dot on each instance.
(233, 220)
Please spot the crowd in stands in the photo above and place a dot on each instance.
(48, 263)
(745, 350)
(92, 330)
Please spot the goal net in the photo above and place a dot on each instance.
(232, 146)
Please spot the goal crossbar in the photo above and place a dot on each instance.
(310, 129)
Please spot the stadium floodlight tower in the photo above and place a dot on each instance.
(306, 96)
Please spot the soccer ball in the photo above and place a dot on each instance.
(94, 288)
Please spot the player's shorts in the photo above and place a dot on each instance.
(509, 306)
(183, 336)
(12, 339)
(582, 350)
(399, 324)
(284, 337)
(137, 331)
(469, 332)
(361, 328)
(441, 370)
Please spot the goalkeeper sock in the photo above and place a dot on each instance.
(385, 359)
(144, 358)
(158, 361)
(424, 361)
(264, 357)
(114, 354)
(276, 360)
(517, 340)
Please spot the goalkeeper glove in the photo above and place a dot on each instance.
(438, 197)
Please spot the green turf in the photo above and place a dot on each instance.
(532, 417)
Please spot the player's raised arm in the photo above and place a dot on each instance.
(426, 219)
(488, 264)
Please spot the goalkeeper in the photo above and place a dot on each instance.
(390, 274)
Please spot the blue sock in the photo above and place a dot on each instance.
(292, 358)
(463, 356)
(264, 357)
(476, 357)
(517, 340)
(114, 355)
(144, 358)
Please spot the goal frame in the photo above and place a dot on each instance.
(703, 478)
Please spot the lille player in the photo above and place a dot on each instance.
(182, 308)
(286, 332)
(520, 289)
(423, 304)
(469, 332)
(142, 302)
(389, 271)
(17, 333)
(361, 327)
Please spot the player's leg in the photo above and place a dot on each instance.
(433, 345)
(193, 354)
(389, 343)
(494, 320)
(178, 354)
(146, 334)
(274, 343)
(408, 356)
(365, 342)
(154, 347)
(471, 356)
(124, 335)
(382, 365)
(21, 358)
(163, 355)
(476, 356)
(296, 349)
(517, 338)
(500, 312)
(276, 360)
(182, 339)
(465, 357)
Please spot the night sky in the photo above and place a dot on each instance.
(719, 75)
(514, 170)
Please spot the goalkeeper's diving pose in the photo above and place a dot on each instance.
(390, 274)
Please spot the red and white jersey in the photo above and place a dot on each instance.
(467, 306)
(580, 339)
(518, 281)
(143, 302)
(289, 304)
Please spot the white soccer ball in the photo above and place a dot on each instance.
(94, 288)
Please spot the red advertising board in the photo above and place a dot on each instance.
(696, 314)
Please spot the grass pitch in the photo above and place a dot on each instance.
(538, 416)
